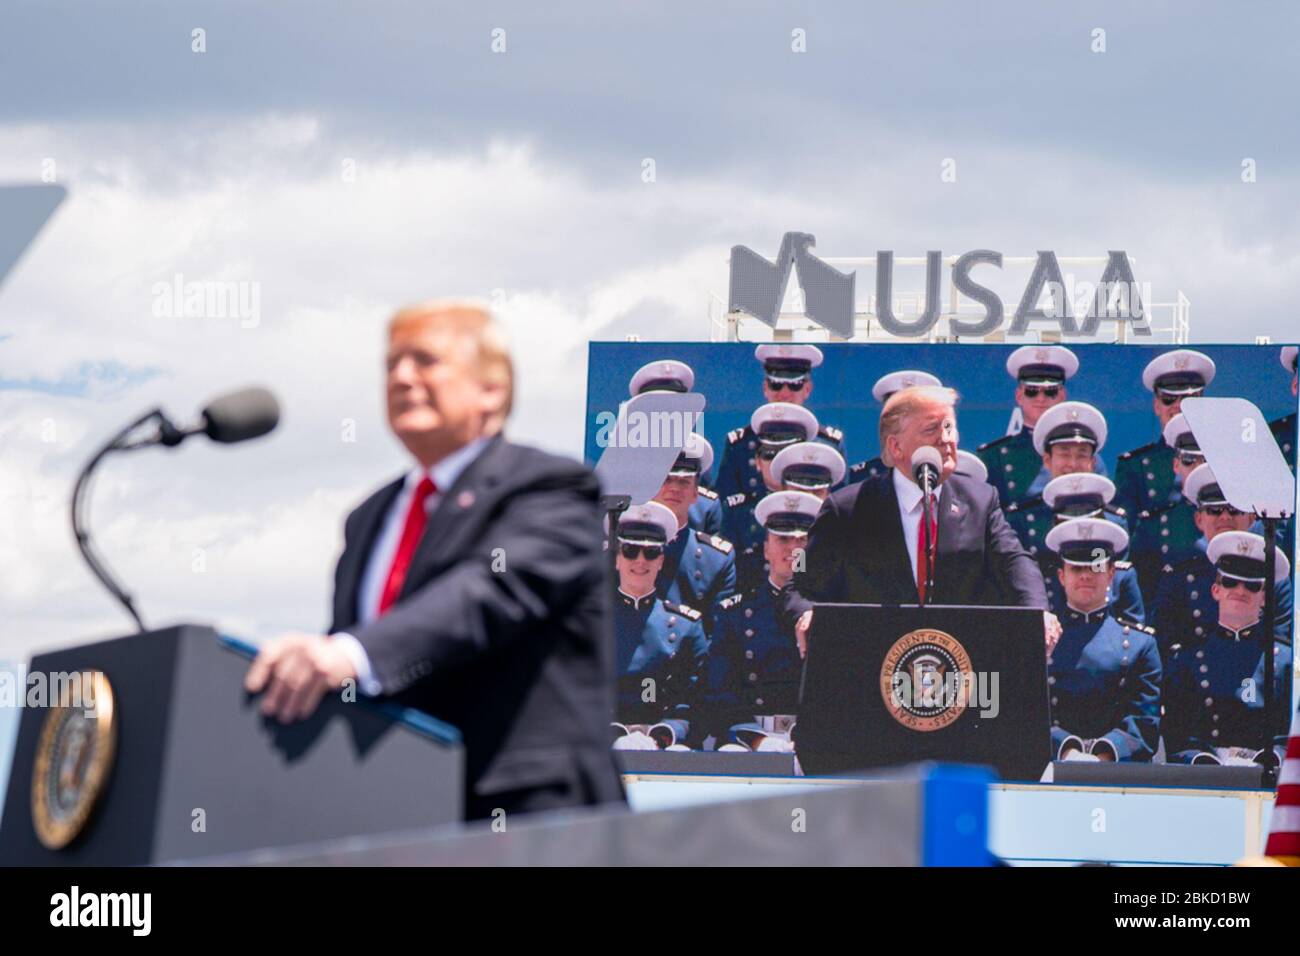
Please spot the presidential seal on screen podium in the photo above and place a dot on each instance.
(924, 678)
(74, 757)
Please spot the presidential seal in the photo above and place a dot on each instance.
(925, 680)
(74, 756)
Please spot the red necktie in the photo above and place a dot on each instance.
(416, 518)
(927, 515)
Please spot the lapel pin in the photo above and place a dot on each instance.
(465, 499)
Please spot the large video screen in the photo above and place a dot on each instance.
(1157, 653)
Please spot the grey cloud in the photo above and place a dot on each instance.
(1187, 87)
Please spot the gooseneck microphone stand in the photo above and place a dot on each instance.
(167, 435)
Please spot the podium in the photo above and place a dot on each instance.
(886, 685)
(165, 758)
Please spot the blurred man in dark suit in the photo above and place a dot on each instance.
(865, 546)
(473, 587)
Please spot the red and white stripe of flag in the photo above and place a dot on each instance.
(1284, 830)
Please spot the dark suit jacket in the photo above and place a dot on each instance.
(857, 553)
(502, 627)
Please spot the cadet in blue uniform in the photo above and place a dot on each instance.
(1087, 496)
(699, 569)
(1184, 607)
(751, 690)
(806, 466)
(670, 375)
(659, 646)
(775, 426)
(1067, 440)
(1144, 477)
(1166, 536)
(704, 507)
(1040, 372)
(1104, 672)
(886, 386)
(1214, 707)
(787, 380)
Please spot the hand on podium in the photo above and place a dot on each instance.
(801, 632)
(297, 670)
(1051, 631)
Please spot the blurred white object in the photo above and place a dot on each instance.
(1080, 755)
(636, 741)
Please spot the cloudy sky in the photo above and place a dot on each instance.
(342, 158)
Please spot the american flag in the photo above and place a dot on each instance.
(1284, 835)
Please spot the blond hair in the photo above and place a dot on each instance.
(473, 321)
(906, 402)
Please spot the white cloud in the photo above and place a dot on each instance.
(570, 259)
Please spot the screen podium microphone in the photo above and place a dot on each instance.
(926, 467)
(238, 416)
(927, 464)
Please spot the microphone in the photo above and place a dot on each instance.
(927, 464)
(238, 416)
(926, 467)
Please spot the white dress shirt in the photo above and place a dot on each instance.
(444, 475)
(909, 510)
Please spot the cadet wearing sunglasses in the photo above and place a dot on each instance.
(1183, 606)
(787, 379)
(1015, 468)
(1144, 477)
(1166, 535)
(659, 645)
(1214, 684)
(699, 569)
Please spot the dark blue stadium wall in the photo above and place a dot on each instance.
(1110, 377)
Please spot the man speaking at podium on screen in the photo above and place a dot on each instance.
(869, 543)
(472, 587)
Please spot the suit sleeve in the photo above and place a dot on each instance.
(540, 556)
(822, 578)
(341, 617)
(1018, 572)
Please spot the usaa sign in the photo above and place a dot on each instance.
(758, 285)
